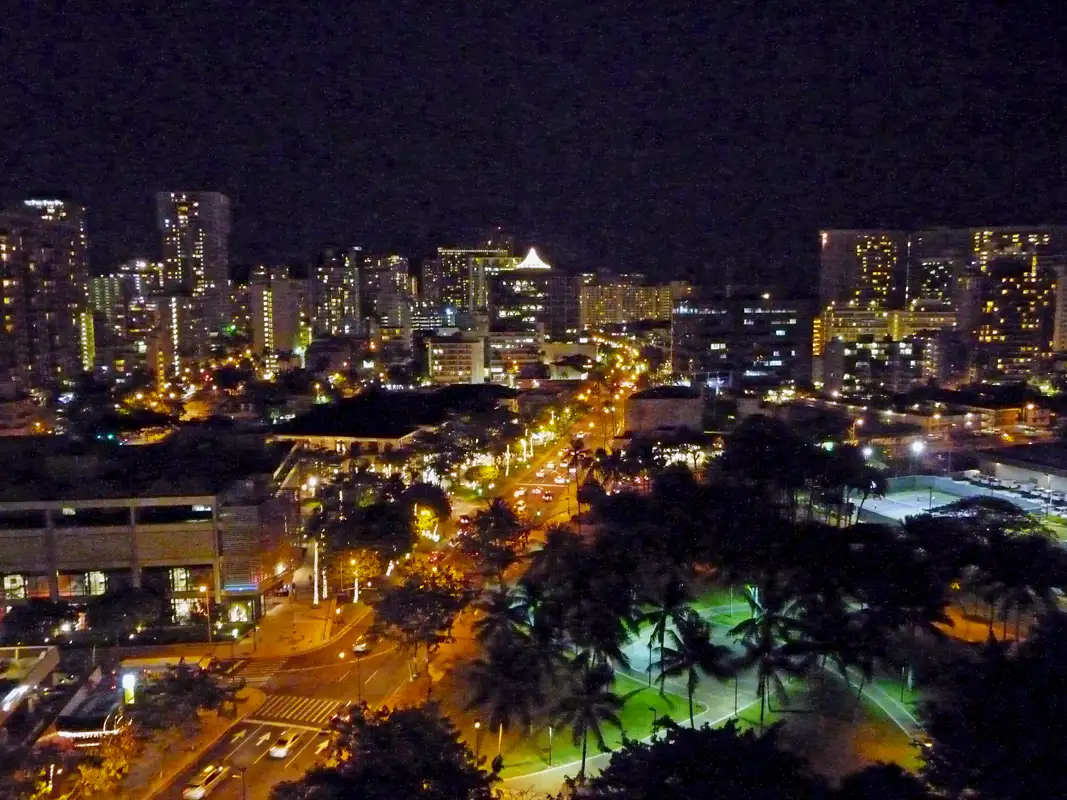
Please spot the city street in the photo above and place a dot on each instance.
(305, 690)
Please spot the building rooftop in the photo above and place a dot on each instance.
(392, 414)
(667, 393)
(1048, 456)
(202, 462)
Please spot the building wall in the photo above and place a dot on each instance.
(456, 360)
(43, 291)
(48, 540)
(651, 414)
(195, 231)
(745, 341)
(622, 303)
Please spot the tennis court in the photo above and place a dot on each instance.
(898, 505)
(917, 494)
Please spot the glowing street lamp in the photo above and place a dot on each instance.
(868, 451)
(917, 447)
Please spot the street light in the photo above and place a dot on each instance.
(868, 451)
(477, 740)
(355, 580)
(858, 423)
(204, 591)
(917, 447)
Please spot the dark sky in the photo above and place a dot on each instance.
(655, 136)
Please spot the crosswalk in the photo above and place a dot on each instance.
(258, 671)
(290, 708)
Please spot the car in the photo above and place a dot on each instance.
(365, 642)
(540, 473)
(464, 520)
(550, 465)
(435, 556)
(284, 743)
(342, 717)
(205, 782)
(548, 497)
(560, 480)
(519, 492)
(536, 490)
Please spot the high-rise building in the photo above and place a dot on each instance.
(195, 229)
(1015, 328)
(865, 267)
(43, 291)
(622, 302)
(275, 315)
(387, 290)
(742, 339)
(176, 350)
(146, 276)
(335, 296)
(456, 278)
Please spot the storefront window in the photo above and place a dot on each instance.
(96, 583)
(240, 612)
(182, 609)
(181, 580)
(14, 587)
(72, 585)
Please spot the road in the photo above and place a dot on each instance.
(304, 691)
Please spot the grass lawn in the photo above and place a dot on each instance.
(530, 754)
(1056, 525)
(718, 597)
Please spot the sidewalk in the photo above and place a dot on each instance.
(155, 768)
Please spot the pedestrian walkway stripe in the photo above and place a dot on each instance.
(313, 710)
(259, 671)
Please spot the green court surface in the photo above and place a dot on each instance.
(530, 753)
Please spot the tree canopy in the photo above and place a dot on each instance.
(394, 754)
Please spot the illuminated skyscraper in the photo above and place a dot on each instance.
(862, 267)
(195, 229)
(43, 291)
(335, 296)
(275, 316)
(456, 278)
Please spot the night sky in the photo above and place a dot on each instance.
(659, 136)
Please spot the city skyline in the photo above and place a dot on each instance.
(721, 137)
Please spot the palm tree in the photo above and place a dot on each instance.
(505, 686)
(588, 705)
(580, 459)
(771, 638)
(505, 618)
(608, 467)
(692, 653)
(668, 607)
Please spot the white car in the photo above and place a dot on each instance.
(283, 744)
(520, 492)
(205, 782)
(540, 473)
(560, 479)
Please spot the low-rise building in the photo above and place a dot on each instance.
(176, 516)
(456, 359)
(664, 409)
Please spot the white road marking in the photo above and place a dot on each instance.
(310, 740)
